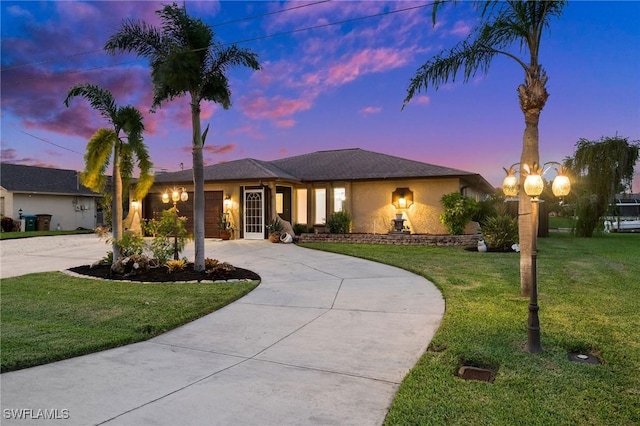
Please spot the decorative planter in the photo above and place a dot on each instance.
(274, 237)
(225, 235)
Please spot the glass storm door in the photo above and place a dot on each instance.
(254, 214)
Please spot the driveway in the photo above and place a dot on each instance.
(324, 339)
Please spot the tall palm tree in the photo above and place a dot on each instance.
(185, 59)
(504, 24)
(108, 145)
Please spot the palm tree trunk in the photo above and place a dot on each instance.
(116, 207)
(198, 184)
(525, 225)
(533, 96)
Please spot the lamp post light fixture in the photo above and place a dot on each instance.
(176, 195)
(533, 187)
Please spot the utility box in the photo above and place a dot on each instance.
(29, 222)
(43, 222)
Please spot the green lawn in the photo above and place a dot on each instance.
(51, 316)
(589, 300)
(561, 222)
(14, 235)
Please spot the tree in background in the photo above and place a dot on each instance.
(504, 25)
(108, 145)
(185, 59)
(602, 169)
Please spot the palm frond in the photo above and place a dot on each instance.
(470, 57)
(130, 120)
(100, 99)
(97, 158)
(136, 36)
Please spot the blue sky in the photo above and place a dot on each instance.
(339, 86)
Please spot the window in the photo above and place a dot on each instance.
(339, 197)
(301, 206)
(279, 203)
(321, 205)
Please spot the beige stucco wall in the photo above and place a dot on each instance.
(369, 202)
(373, 212)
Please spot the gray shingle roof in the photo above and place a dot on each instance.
(335, 165)
(359, 164)
(19, 178)
(245, 169)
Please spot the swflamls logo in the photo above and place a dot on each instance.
(35, 414)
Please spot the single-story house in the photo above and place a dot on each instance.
(29, 190)
(306, 189)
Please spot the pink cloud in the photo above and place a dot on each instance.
(421, 100)
(248, 130)
(370, 110)
(261, 107)
(285, 123)
(365, 62)
(461, 29)
(219, 149)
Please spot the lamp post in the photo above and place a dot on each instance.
(176, 195)
(533, 186)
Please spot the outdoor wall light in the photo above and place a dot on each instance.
(227, 201)
(134, 205)
(402, 198)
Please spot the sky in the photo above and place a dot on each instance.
(334, 76)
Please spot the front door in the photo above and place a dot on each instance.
(254, 214)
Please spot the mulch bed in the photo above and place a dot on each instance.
(161, 275)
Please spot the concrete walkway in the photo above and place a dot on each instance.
(325, 339)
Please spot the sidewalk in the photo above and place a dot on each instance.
(324, 339)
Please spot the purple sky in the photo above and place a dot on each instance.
(340, 86)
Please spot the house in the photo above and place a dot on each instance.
(29, 190)
(306, 189)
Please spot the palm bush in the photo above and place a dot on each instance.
(500, 232)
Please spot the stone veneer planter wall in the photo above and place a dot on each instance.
(394, 239)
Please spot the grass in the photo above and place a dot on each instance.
(589, 297)
(51, 316)
(561, 222)
(29, 234)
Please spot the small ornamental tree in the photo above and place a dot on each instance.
(458, 211)
(602, 169)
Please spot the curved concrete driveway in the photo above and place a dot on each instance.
(325, 339)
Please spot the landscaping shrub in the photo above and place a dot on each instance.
(130, 244)
(500, 232)
(162, 245)
(7, 224)
(339, 222)
(458, 211)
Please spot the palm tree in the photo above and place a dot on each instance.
(504, 24)
(108, 145)
(185, 59)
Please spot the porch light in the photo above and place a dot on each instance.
(402, 198)
(134, 205)
(227, 201)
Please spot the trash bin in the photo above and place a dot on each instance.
(29, 222)
(42, 222)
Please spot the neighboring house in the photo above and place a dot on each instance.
(46, 191)
(306, 189)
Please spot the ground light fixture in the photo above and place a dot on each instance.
(177, 194)
(533, 187)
